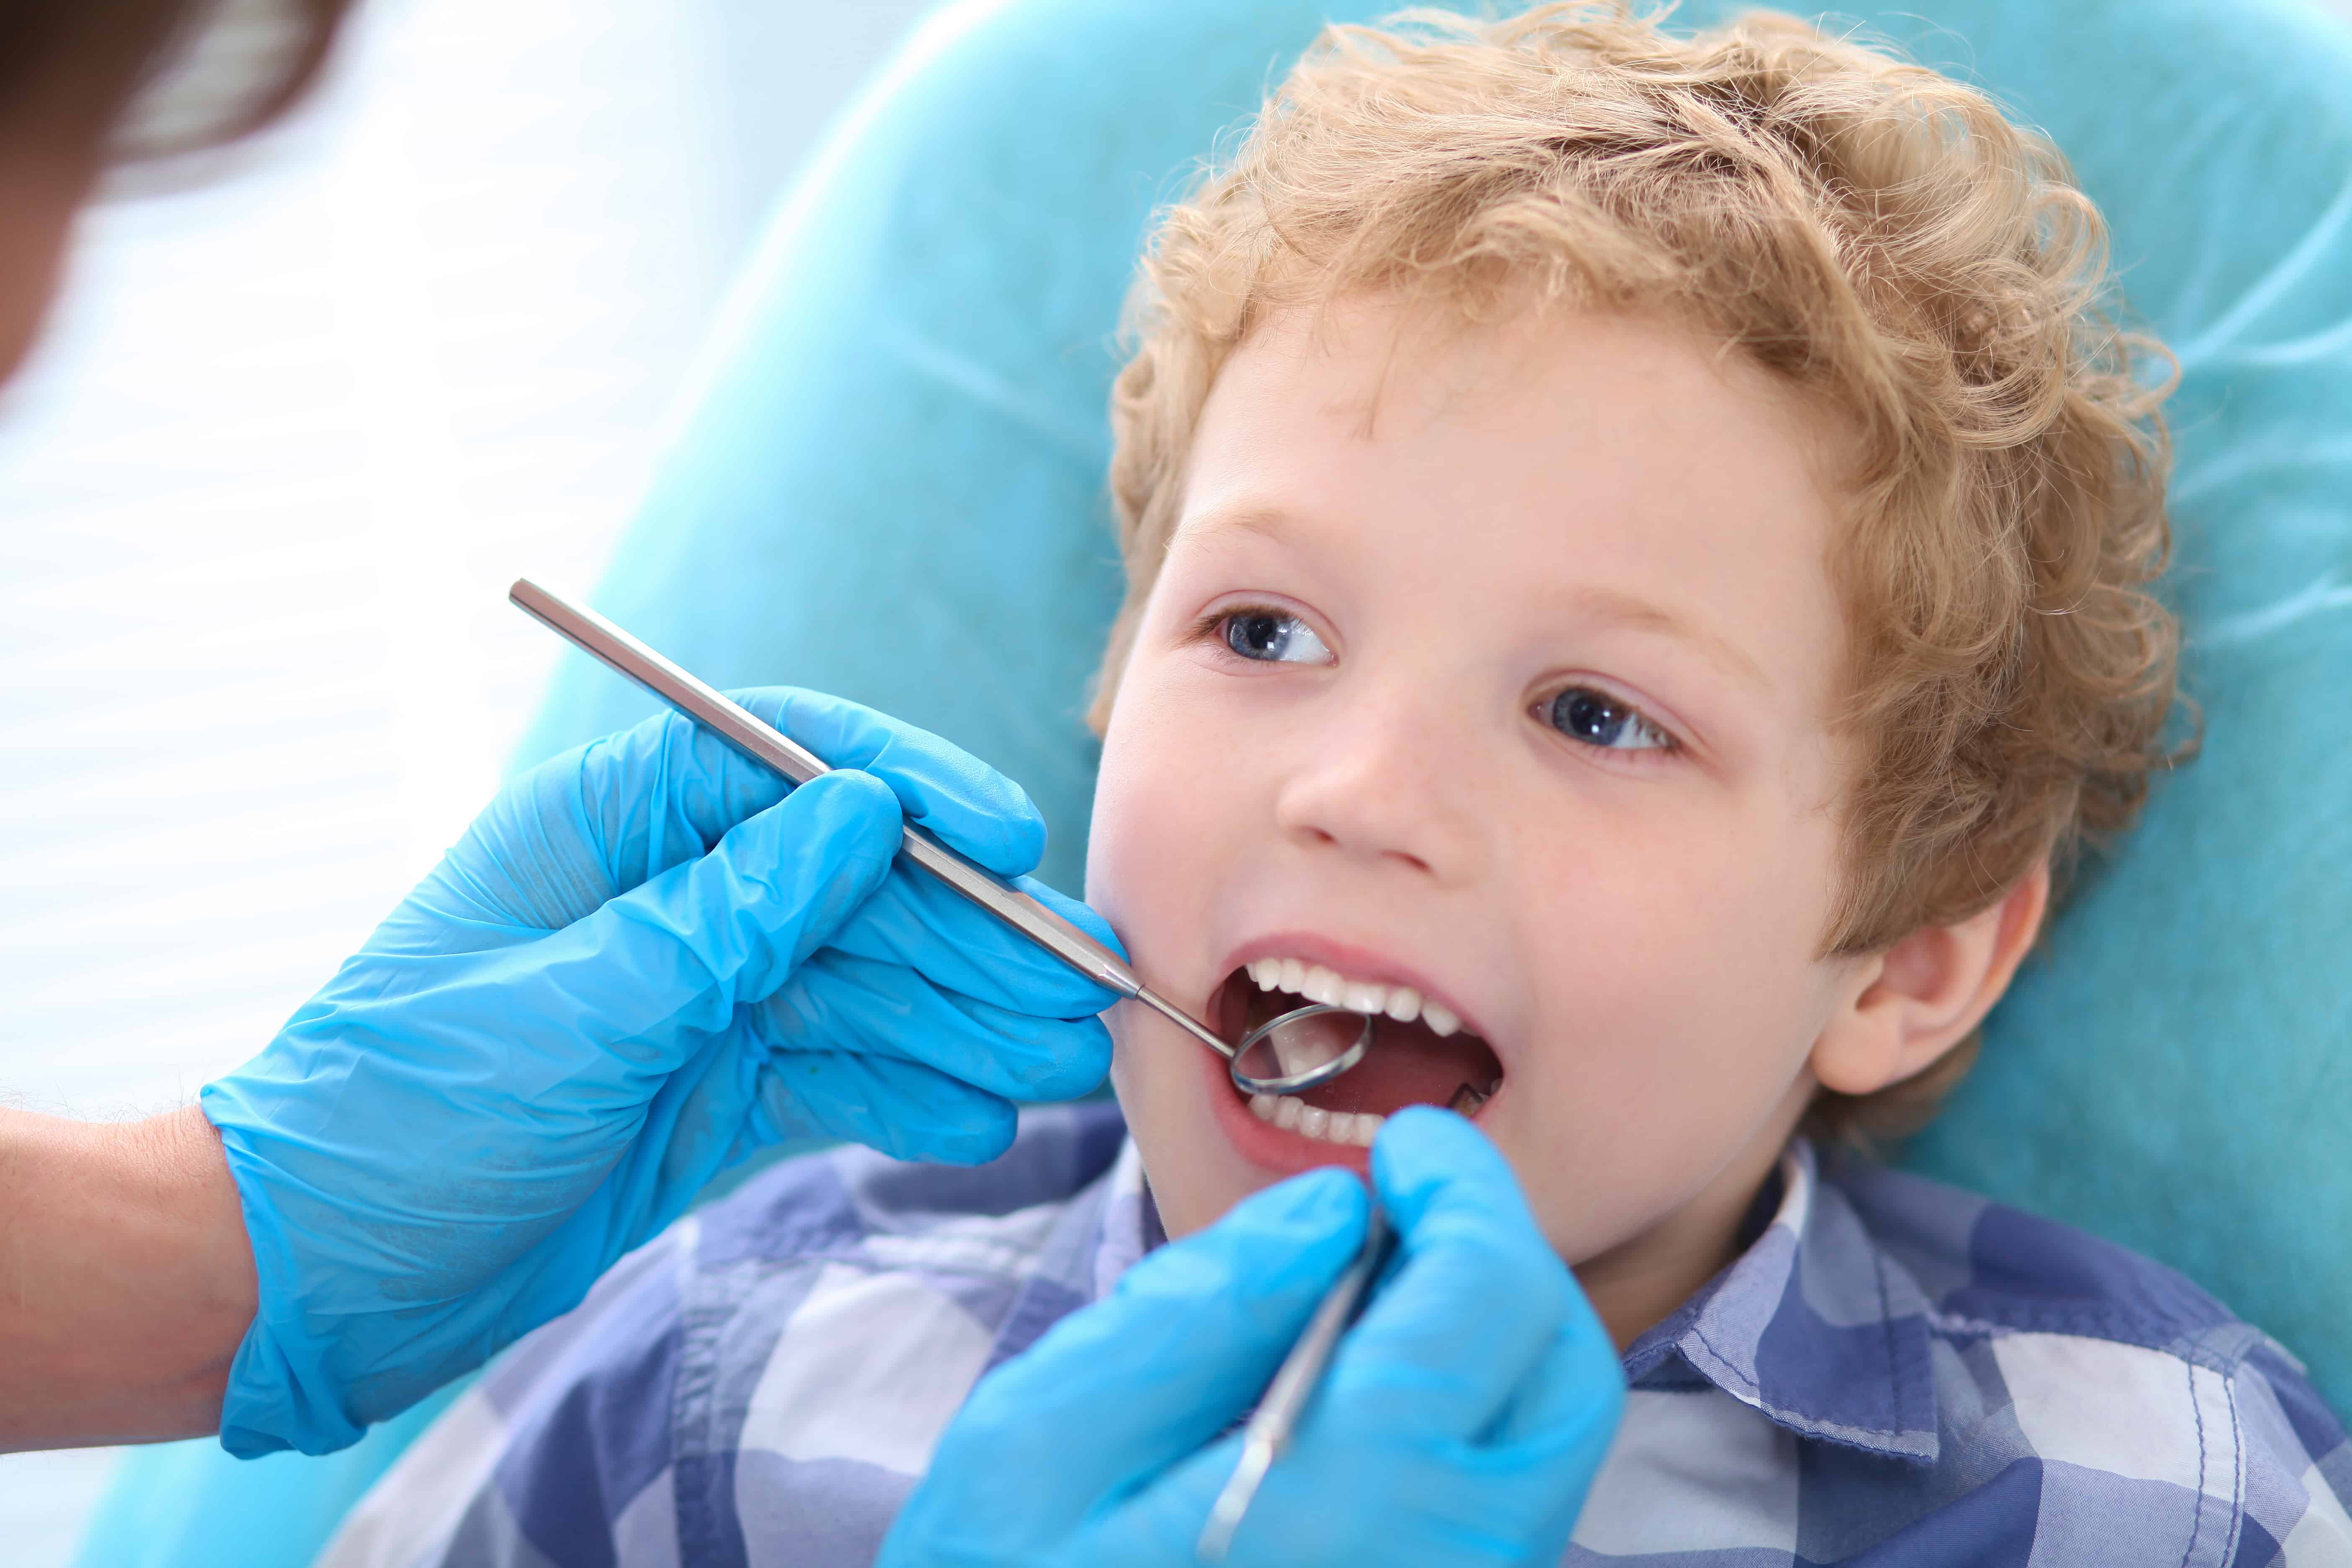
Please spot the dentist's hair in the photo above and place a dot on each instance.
(1876, 233)
(71, 68)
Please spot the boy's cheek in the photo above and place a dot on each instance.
(1157, 901)
(1633, 1112)
(1194, 1173)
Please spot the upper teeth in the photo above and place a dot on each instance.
(1318, 984)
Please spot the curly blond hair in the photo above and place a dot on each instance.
(1872, 232)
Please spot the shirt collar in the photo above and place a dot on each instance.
(1814, 1325)
(1129, 1224)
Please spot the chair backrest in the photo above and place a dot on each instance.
(893, 487)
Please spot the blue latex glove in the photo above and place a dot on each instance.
(641, 963)
(1461, 1421)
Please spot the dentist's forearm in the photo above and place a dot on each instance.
(126, 1281)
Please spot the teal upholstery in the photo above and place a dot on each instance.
(892, 487)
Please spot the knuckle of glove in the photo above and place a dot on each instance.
(1467, 1254)
(1070, 1060)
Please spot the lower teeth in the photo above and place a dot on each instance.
(1344, 1127)
(1327, 1126)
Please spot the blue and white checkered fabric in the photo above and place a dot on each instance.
(1894, 1373)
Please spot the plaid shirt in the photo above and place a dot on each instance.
(1893, 1372)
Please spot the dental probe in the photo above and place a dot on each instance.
(763, 744)
(1276, 1415)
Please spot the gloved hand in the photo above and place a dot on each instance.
(1461, 1421)
(642, 962)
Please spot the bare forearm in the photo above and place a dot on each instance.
(126, 1281)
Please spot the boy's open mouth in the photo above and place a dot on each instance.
(1420, 1054)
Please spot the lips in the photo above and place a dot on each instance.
(1409, 1062)
(1421, 1054)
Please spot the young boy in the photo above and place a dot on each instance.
(1654, 537)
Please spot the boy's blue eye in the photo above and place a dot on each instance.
(1274, 638)
(1600, 719)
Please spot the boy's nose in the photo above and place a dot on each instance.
(1382, 785)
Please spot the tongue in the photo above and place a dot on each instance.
(1408, 1064)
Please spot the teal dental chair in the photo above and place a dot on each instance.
(892, 487)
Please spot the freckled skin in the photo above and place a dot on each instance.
(1635, 930)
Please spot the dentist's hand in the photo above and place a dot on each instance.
(642, 962)
(1461, 1421)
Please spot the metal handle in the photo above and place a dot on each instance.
(763, 742)
(1278, 1412)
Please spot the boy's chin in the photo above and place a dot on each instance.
(1191, 1160)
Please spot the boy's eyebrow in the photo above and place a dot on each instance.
(1640, 615)
(1266, 521)
(1598, 603)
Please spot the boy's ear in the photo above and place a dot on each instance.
(1909, 1004)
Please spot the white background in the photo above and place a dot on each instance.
(262, 492)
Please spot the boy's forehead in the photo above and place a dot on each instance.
(1605, 470)
(1591, 395)
(1571, 422)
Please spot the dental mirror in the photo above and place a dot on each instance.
(1288, 1055)
(1304, 1047)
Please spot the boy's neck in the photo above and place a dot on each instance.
(1638, 1284)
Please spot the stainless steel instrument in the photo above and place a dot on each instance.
(1302, 1054)
(1276, 1417)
